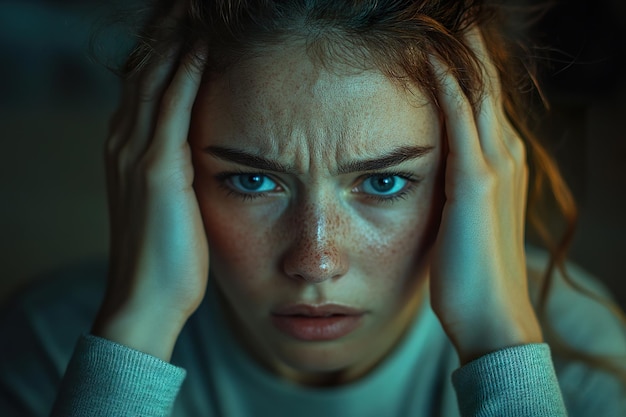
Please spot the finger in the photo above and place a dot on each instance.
(490, 73)
(158, 27)
(134, 121)
(128, 131)
(129, 127)
(492, 131)
(138, 75)
(464, 146)
(489, 114)
(150, 90)
(150, 83)
(130, 136)
(501, 143)
(521, 215)
(492, 104)
(176, 105)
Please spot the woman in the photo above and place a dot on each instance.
(318, 208)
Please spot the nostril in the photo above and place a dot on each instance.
(311, 278)
(314, 257)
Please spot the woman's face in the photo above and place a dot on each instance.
(316, 188)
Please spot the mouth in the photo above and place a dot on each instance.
(317, 323)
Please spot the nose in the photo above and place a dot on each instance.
(316, 253)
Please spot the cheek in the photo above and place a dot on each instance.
(230, 243)
(231, 234)
(397, 249)
(239, 246)
(392, 257)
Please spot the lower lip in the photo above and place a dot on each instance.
(317, 328)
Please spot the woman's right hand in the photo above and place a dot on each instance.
(158, 257)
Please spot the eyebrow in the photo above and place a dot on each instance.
(392, 158)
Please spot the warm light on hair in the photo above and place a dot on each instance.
(396, 37)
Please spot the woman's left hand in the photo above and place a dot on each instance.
(479, 286)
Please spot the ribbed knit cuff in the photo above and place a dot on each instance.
(519, 381)
(105, 378)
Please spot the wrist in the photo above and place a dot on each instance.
(496, 335)
(152, 332)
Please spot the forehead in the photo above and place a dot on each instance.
(283, 101)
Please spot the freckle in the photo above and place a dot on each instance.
(329, 253)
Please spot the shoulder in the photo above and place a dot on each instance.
(579, 305)
(586, 321)
(40, 326)
(59, 297)
(56, 306)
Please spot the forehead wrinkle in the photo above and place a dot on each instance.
(308, 118)
(327, 148)
(296, 139)
(347, 148)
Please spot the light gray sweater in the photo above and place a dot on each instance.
(210, 375)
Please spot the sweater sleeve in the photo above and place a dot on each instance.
(104, 378)
(518, 382)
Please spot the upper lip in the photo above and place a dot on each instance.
(317, 311)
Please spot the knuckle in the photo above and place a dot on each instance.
(491, 179)
(462, 106)
(152, 82)
(518, 149)
(525, 172)
(146, 166)
(146, 91)
(117, 134)
(508, 165)
(145, 95)
(111, 153)
(125, 159)
(488, 183)
(149, 167)
(514, 141)
(169, 102)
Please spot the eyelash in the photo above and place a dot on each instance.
(223, 177)
(411, 179)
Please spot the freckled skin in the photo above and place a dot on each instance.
(316, 240)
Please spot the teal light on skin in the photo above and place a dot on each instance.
(323, 234)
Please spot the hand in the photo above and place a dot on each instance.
(478, 273)
(158, 252)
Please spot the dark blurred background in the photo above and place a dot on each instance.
(55, 104)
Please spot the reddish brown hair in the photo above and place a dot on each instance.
(396, 37)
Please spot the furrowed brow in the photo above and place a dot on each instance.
(248, 159)
(393, 158)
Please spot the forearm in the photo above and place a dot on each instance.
(150, 331)
(497, 331)
(516, 382)
(104, 378)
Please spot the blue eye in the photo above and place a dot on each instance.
(384, 185)
(251, 183)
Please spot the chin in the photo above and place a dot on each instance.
(317, 357)
(320, 363)
(314, 364)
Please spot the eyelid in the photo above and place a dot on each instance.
(412, 181)
(236, 182)
(223, 176)
(224, 179)
(404, 175)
